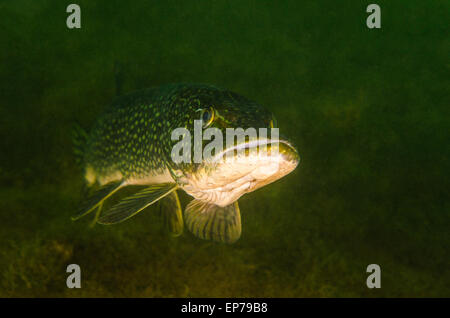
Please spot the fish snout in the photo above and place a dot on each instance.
(288, 152)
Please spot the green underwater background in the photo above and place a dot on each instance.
(368, 110)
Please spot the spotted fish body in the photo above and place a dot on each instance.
(131, 145)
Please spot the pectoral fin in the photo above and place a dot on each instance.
(171, 213)
(97, 198)
(136, 203)
(212, 222)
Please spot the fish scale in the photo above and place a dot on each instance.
(131, 144)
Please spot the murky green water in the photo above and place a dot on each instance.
(368, 110)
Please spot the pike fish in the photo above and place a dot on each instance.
(131, 144)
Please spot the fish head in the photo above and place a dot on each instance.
(250, 155)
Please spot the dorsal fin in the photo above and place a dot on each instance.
(118, 77)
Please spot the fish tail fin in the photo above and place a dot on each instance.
(79, 139)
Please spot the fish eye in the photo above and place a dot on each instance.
(207, 116)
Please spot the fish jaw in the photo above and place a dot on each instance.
(223, 180)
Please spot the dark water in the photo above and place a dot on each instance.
(368, 110)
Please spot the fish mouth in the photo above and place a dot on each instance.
(243, 168)
(288, 151)
(261, 147)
